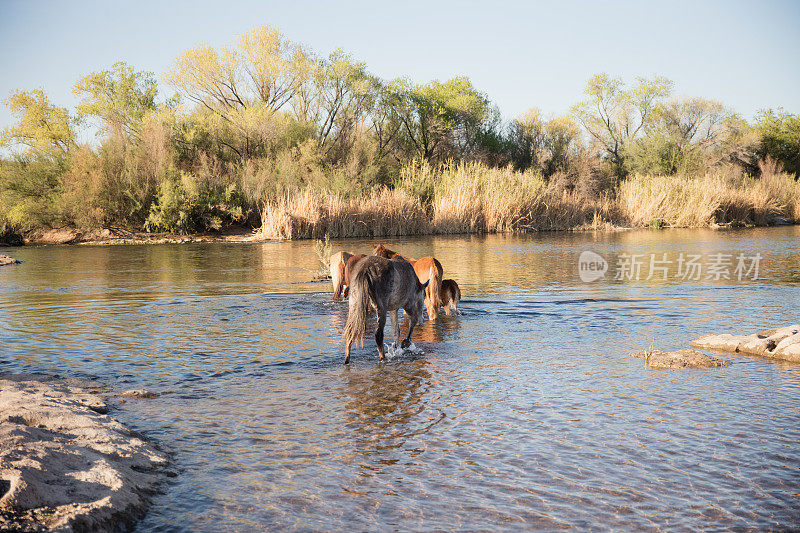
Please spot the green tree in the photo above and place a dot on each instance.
(526, 140)
(42, 129)
(779, 134)
(336, 100)
(41, 140)
(439, 120)
(614, 115)
(684, 136)
(120, 97)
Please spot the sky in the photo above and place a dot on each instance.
(522, 54)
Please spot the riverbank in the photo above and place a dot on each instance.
(64, 463)
(470, 198)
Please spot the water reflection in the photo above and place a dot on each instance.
(384, 405)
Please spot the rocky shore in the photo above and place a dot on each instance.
(68, 235)
(779, 343)
(65, 465)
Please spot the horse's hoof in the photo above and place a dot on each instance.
(405, 344)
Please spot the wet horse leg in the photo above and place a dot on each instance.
(395, 327)
(379, 333)
(412, 321)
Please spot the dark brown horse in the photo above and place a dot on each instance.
(428, 269)
(348, 271)
(450, 295)
(386, 285)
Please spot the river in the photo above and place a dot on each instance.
(523, 412)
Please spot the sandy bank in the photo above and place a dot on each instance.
(64, 463)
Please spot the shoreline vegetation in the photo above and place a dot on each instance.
(265, 133)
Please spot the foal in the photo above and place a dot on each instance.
(428, 269)
(450, 295)
(386, 285)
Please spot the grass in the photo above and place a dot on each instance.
(474, 198)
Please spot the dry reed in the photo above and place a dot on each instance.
(474, 198)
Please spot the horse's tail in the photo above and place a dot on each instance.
(337, 274)
(434, 290)
(360, 291)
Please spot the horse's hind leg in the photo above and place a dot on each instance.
(395, 327)
(412, 321)
(379, 334)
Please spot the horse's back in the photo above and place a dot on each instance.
(423, 268)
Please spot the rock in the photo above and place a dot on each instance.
(679, 359)
(59, 236)
(65, 466)
(781, 221)
(779, 343)
(139, 393)
(7, 260)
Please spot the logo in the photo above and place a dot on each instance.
(591, 266)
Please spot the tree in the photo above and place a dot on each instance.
(262, 69)
(441, 119)
(526, 140)
(779, 134)
(336, 99)
(245, 84)
(614, 115)
(29, 186)
(46, 130)
(683, 136)
(120, 97)
(561, 134)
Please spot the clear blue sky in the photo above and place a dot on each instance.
(523, 54)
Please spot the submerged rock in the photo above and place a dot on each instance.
(66, 466)
(139, 393)
(779, 343)
(7, 260)
(679, 359)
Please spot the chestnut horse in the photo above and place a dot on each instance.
(338, 263)
(427, 269)
(450, 295)
(386, 285)
(342, 263)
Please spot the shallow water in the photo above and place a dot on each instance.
(523, 412)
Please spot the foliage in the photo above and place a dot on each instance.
(43, 129)
(779, 134)
(614, 116)
(264, 131)
(119, 97)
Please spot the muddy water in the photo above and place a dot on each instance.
(523, 412)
